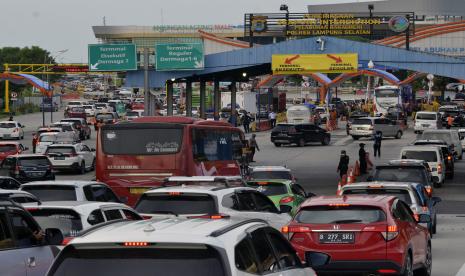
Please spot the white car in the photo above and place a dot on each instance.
(18, 196)
(75, 157)
(11, 129)
(134, 114)
(451, 136)
(195, 200)
(89, 109)
(425, 120)
(68, 127)
(461, 132)
(73, 104)
(432, 155)
(270, 172)
(70, 190)
(212, 245)
(48, 138)
(71, 217)
(323, 113)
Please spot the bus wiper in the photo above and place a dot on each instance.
(346, 221)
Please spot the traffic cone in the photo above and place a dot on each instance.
(339, 187)
(357, 168)
(344, 180)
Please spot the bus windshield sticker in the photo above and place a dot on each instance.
(168, 147)
(111, 135)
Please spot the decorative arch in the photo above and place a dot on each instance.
(412, 78)
(43, 86)
(370, 72)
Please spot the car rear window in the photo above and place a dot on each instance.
(428, 156)
(7, 125)
(340, 215)
(446, 136)
(77, 109)
(178, 204)
(106, 116)
(362, 122)
(400, 174)
(132, 113)
(47, 138)
(159, 259)
(68, 221)
(270, 189)
(7, 148)
(52, 192)
(426, 116)
(33, 161)
(403, 195)
(61, 150)
(279, 128)
(271, 175)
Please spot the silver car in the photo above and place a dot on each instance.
(368, 126)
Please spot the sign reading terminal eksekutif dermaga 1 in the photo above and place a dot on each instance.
(112, 57)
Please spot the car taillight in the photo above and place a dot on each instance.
(286, 199)
(16, 130)
(295, 229)
(429, 191)
(387, 271)
(135, 244)
(66, 240)
(439, 169)
(391, 233)
(416, 216)
(215, 216)
(17, 169)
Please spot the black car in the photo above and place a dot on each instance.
(299, 134)
(27, 167)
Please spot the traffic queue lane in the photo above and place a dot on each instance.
(315, 168)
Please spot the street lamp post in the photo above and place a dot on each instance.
(371, 7)
(284, 7)
(430, 78)
(371, 65)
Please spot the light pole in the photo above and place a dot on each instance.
(371, 7)
(284, 7)
(52, 56)
(371, 65)
(430, 78)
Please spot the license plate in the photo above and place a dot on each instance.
(340, 238)
(138, 191)
(59, 158)
(425, 125)
(6, 135)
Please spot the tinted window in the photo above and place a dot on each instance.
(143, 141)
(7, 148)
(9, 163)
(266, 258)
(47, 138)
(176, 204)
(231, 201)
(426, 116)
(52, 192)
(61, 150)
(95, 217)
(192, 261)
(343, 214)
(7, 125)
(264, 204)
(400, 174)
(106, 116)
(271, 175)
(246, 201)
(284, 252)
(113, 214)
(131, 215)
(283, 128)
(245, 258)
(68, 221)
(213, 145)
(428, 156)
(271, 189)
(9, 184)
(437, 136)
(6, 240)
(23, 229)
(33, 161)
(361, 122)
(132, 113)
(403, 195)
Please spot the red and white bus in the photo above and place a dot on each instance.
(135, 156)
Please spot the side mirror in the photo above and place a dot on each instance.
(436, 200)
(424, 218)
(285, 209)
(53, 236)
(316, 259)
(435, 179)
(124, 199)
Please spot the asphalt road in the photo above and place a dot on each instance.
(315, 168)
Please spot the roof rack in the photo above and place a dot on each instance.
(229, 228)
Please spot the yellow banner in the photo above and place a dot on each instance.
(319, 63)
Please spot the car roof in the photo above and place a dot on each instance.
(26, 155)
(421, 148)
(442, 142)
(3, 122)
(438, 131)
(269, 169)
(9, 143)
(384, 184)
(62, 145)
(427, 112)
(201, 189)
(177, 230)
(407, 162)
(75, 183)
(78, 205)
(367, 200)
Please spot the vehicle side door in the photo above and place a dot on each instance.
(36, 256)
(313, 133)
(87, 154)
(11, 259)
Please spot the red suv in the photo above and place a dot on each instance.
(362, 235)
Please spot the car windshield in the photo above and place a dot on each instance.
(342, 214)
(428, 156)
(400, 174)
(403, 195)
(88, 107)
(271, 175)
(7, 148)
(446, 136)
(47, 138)
(270, 189)
(100, 105)
(132, 113)
(361, 122)
(77, 109)
(426, 116)
(68, 221)
(33, 161)
(74, 103)
(52, 192)
(159, 259)
(175, 203)
(7, 125)
(107, 116)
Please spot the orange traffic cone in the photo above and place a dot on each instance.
(344, 180)
(357, 168)
(339, 187)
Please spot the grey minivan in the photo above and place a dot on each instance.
(368, 126)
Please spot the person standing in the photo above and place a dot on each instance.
(246, 122)
(35, 139)
(377, 145)
(272, 117)
(233, 118)
(362, 159)
(253, 146)
(343, 166)
(450, 121)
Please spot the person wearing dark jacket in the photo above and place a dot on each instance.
(246, 123)
(362, 159)
(377, 145)
(343, 166)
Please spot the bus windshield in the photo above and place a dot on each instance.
(387, 93)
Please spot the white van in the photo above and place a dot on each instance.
(451, 136)
(432, 155)
(299, 114)
(427, 120)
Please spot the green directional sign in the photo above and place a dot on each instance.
(112, 57)
(179, 56)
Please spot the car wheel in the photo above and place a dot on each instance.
(301, 142)
(427, 266)
(408, 266)
(355, 137)
(399, 134)
(277, 145)
(82, 169)
(325, 141)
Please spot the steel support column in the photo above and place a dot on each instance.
(189, 98)
(169, 98)
(202, 98)
(216, 100)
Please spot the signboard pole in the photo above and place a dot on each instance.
(407, 34)
(148, 107)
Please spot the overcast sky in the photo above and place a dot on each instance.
(65, 24)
